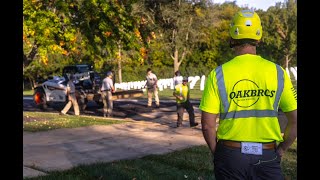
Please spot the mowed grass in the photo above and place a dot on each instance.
(289, 161)
(195, 93)
(41, 121)
(192, 163)
(28, 93)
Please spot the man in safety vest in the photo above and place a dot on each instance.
(182, 94)
(245, 93)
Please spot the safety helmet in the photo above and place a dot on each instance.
(109, 73)
(246, 24)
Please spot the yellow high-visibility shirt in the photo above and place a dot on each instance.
(183, 91)
(247, 92)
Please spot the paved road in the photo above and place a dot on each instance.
(150, 131)
(123, 108)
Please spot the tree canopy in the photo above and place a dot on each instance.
(129, 36)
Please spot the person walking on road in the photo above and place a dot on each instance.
(152, 88)
(107, 89)
(72, 100)
(246, 93)
(182, 94)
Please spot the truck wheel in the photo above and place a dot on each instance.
(39, 98)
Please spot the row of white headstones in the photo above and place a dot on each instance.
(168, 83)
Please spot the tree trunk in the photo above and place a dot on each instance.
(176, 64)
(32, 83)
(119, 63)
(28, 59)
(286, 63)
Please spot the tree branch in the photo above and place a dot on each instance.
(281, 33)
(171, 56)
(187, 35)
(182, 56)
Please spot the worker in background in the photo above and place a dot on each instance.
(182, 94)
(72, 100)
(107, 89)
(177, 79)
(245, 94)
(152, 88)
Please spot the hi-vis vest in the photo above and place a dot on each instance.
(183, 91)
(246, 92)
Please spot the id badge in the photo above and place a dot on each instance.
(251, 148)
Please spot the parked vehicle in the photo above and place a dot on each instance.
(87, 83)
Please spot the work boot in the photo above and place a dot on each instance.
(193, 125)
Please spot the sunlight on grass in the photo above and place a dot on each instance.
(289, 162)
(40, 121)
(195, 93)
(28, 93)
(191, 163)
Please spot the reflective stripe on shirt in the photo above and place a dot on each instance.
(247, 113)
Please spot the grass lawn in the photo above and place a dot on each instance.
(28, 93)
(41, 121)
(195, 94)
(192, 163)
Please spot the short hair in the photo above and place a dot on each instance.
(185, 78)
(149, 69)
(177, 73)
(240, 42)
(109, 73)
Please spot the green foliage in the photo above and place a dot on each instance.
(147, 34)
(279, 38)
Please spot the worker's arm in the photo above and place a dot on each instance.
(290, 133)
(208, 121)
(145, 85)
(68, 89)
(174, 94)
(112, 89)
(177, 96)
(155, 83)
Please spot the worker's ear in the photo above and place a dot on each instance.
(258, 42)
